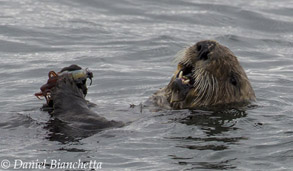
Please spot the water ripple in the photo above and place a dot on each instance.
(129, 46)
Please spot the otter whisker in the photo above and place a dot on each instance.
(204, 85)
(186, 62)
(216, 88)
(209, 89)
(200, 85)
(213, 86)
(213, 90)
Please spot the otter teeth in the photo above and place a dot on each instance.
(185, 81)
(180, 74)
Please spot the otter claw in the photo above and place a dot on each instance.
(180, 74)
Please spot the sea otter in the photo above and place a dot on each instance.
(65, 93)
(71, 107)
(208, 75)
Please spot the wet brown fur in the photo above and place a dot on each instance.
(71, 107)
(218, 81)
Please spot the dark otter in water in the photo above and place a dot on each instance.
(65, 94)
(208, 75)
(71, 107)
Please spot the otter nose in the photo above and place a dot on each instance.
(203, 49)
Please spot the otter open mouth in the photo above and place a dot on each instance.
(186, 74)
(182, 84)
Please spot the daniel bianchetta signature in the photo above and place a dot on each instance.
(54, 164)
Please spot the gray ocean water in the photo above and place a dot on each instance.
(129, 45)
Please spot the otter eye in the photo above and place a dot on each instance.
(233, 80)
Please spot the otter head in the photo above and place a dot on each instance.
(208, 74)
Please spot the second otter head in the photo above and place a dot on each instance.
(208, 74)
